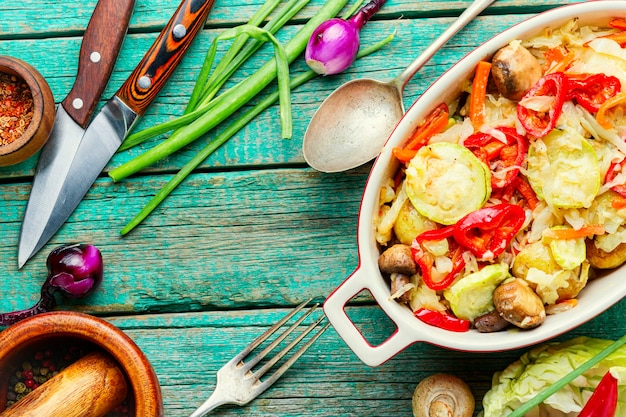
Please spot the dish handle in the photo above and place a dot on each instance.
(335, 312)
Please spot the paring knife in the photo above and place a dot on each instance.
(111, 125)
(99, 50)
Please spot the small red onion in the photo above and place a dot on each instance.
(73, 270)
(334, 44)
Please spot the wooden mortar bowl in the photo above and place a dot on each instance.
(39, 128)
(19, 342)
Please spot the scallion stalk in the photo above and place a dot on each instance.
(543, 395)
(264, 11)
(239, 52)
(232, 60)
(231, 100)
(225, 135)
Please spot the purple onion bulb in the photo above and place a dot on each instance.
(74, 270)
(333, 46)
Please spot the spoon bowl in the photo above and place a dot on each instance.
(353, 123)
(350, 119)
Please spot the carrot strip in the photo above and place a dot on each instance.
(618, 23)
(601, 116)
(435, 123)
(404, 155)
(618, 203)
(557, 60)
(619, 37)
(528, 193)
(585, 231)
(479, 93)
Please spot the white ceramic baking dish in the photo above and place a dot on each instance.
(599, 294)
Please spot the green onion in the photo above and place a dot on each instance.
(236, 56)
(231, 100)
(543, 395)
(233, 59)
(224, 136)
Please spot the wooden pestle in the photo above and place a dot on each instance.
(90, 387)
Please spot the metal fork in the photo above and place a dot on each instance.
(238, 384)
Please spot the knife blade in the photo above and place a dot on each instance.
(116, 118)
(99, 50)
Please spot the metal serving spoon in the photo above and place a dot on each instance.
(353, 123)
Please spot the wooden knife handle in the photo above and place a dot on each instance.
(101, 44)
(145, 82)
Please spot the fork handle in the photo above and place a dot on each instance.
(214, 401)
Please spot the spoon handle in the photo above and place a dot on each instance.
(470, 13)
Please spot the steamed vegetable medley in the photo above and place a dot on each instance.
(509, 199)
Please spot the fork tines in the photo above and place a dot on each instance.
(247, 366)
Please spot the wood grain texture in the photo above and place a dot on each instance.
(254, 230)
(328, 380)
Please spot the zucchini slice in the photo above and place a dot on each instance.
(445, 181)
(563, 169)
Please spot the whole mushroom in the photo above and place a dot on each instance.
(443, 395)
(518, 304)
(515, 70)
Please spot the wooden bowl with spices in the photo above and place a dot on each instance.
(27, 110)
(77, 365)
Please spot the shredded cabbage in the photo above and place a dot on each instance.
(544, 365)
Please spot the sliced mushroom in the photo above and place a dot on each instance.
(515, 70)
(398, 259)
(490, 322)
(518, 304)
(443, 395)
(399, 284)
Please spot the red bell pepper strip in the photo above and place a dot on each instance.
(487, 232)
(592, 91)
(612, 172)
(603, 401)
(508, 155)
(442, 320)
(425, 260)
(540, 123)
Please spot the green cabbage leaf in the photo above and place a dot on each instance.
(542, 366)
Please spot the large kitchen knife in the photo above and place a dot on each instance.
(111, 125)
(99, 50)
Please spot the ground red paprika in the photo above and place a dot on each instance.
(16, 107)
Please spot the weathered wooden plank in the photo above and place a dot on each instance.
(224, 240)
(186, 351)
(260, 142)
(50, 18)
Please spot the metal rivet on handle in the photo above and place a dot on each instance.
(179, 32)
(77, 103)
(144, 82)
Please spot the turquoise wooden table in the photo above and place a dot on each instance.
(251, 232)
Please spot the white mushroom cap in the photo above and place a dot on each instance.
(443, 395)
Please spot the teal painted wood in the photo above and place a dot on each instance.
(224, 240)
(43, 18)
(254, 229)
(260, 143)
(329, 380)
